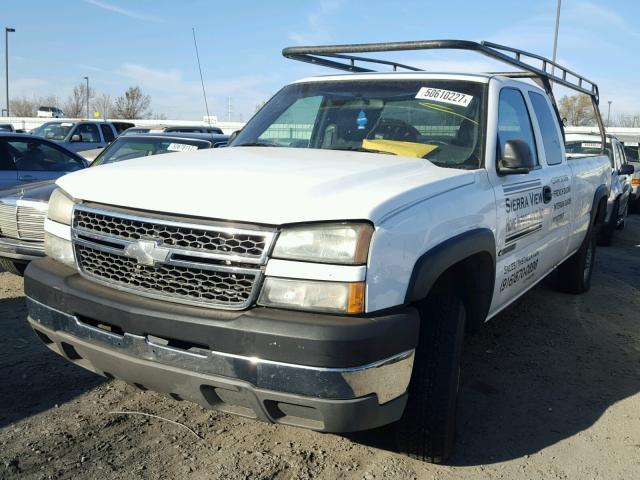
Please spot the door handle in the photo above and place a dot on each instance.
(25, 178)
(547, 195)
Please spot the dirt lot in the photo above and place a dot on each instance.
(550, 390)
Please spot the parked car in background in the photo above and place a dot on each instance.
(7, 127)
(632, 150)
(215, 140)
(175, 129)
(25, 158)
(121, 126)
(622, 171)
(78, 136)
(49, 112)
(23, 209)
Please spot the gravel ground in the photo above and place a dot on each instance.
(550, 390)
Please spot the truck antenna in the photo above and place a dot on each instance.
(204, 93)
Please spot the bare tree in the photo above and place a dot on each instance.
(626, 120)
(132, 104)
(577, 109)
(23, 107)
(103, 103)
(77, 102)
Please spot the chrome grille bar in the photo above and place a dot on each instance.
(208, 264)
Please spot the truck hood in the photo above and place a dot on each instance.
(267, 185)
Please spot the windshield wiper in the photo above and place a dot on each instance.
(360, 149)
(256, 144)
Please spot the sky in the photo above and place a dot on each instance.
(118, 43)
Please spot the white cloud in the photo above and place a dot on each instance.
(176, 97)
(316, 28)
(123, 11)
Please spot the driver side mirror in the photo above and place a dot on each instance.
(627, 169)
(76, 137)
(233, 136)
(516, 158)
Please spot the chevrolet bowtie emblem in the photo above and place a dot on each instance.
(146, 252)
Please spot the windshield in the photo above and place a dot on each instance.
(632, 152)
(439, 120)
(53, 130)
(125, 148)
(582, 147)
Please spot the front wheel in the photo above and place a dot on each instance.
(426, 430)
(576, 271)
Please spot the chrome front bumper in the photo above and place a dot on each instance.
(387, 379)
(20, 249)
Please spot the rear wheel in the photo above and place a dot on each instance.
(575, 272)
(426, 430)
(17, 268)
(605, 235)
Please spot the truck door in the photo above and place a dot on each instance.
(523, 203)
(625, 180)
(557, 179)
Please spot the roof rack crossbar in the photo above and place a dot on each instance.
(330, 56)
(519, 59)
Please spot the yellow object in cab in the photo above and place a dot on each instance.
(404, 149)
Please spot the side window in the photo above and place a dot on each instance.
(514, 122)
(548, 128)
(88, 133)
(6, 157)
(36, 156)
(623, 156)
(294, 126)
(107, 133)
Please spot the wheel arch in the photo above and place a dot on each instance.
(465, 262)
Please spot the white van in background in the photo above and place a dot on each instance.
(49, 112)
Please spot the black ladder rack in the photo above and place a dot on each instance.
(342, 57)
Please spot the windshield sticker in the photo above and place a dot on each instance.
(181, 147)
(590, 145)
(444, 96)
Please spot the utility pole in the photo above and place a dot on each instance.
(87, 79)
(229, 109)
(608, 113)
(7, 30)
(555, 37)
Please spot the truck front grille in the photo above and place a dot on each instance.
(208, 264)
(23, 221)
(221, 288)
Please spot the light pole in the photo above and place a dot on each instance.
(555, 37)
(87, 79)
(608, 113)
(7, 31)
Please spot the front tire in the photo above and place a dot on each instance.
(426, 430)
(17, 268)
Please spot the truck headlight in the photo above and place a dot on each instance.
(340, 243)
(60, 207)
(59, 249)
(335, 297)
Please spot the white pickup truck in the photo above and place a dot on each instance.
(322, 272)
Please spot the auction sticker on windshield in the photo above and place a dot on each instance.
(181, 147)
(444, 96)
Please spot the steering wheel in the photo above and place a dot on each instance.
(394, 129)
